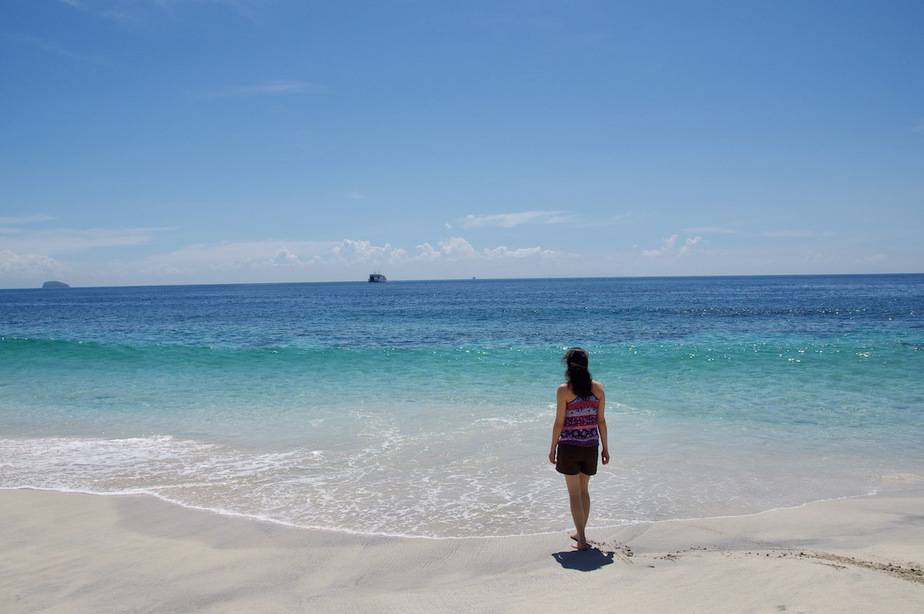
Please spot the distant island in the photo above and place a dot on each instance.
(55, 284)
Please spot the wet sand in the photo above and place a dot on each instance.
(64, 552)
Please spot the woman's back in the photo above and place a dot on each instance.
(580, 427)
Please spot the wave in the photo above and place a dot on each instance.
(741, 347)
(591, 527)
(368, 489)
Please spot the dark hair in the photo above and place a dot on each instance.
(576, 372)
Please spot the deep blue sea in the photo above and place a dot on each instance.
(425, 408)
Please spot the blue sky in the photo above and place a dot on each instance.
(195, 141)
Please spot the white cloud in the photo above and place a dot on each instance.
(346, 257)
(522, 252)
(425, 251)
(284, 257)
(670, 248)
(457, 247)
(361, 251)
(29, 254)
(509, 220)
(667, 245)
(20, 265)
(689, 244)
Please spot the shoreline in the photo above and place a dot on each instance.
(290, 525)
(70, 552)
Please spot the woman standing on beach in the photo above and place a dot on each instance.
(578, 431)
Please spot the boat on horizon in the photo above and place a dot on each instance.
(377, 278)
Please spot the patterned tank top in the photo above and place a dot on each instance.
(580, 427)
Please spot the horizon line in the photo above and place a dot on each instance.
(473, 278)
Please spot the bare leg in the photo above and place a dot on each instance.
(585, 494)
(585, 498)
(577, 509)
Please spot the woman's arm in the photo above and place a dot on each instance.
(559, 422)
(601, 426)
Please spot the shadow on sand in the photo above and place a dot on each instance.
(586, 560)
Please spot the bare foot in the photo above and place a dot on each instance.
(582, 545)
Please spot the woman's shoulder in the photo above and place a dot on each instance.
(597, 385)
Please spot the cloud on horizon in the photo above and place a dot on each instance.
(21, 266)
(274, 253)
(281, 260)
(31, 249)
(27, 259)
(670, 248)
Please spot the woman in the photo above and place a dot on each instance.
(579, 428)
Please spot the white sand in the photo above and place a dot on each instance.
(84, 553)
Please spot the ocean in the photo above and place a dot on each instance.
(425, 408)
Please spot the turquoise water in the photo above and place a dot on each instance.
(424, 408)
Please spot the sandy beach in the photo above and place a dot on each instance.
(65, 552)
(297, 300)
